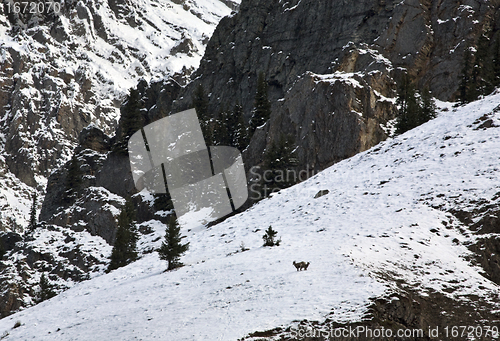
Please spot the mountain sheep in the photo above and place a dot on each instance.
(301, 265)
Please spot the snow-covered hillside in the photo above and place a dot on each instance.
(386, 219)
(60, 72)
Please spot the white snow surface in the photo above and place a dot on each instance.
(373, 227)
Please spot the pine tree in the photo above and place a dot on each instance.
(428, 107)
(414, 110)
(33, 219)
(483, 66)
(238, 132)
(278, 164)
(408, 106)
(200, 103)
(125, 249)
(269, 237)
(46, 289)
(171, 248)
(74, 179)
(130, 122)
(163, 202)
(2, 250)
(465, 78)
(470, 77)
(221, 136)
(496, 62)
(262, 106)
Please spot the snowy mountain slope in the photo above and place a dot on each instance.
(60, 72)
(385, 220)
(64, 256)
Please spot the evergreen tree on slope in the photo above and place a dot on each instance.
(74, 179)
(172, 248)
(130, 122)
(46, 289)
(428, 107)
(239, 136)
(221, 134)
(413, 110)
(408, 106)
(125, 249)
(33, 219)
(200, 103)
(262, 106)
(278, 163)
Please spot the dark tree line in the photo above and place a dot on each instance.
(46, 291)
(415, 108)
(74, 180)
(279, 165)
(480, 73)
(228, 127)
(262, 106)
(130, 121)
(125, 248)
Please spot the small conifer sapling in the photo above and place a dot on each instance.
(269, 237)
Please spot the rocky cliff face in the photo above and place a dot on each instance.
(63, 76)
(372, 41)
(284, 40)
(65, 256)
(72, 66)
(331, 117)
(74, 241)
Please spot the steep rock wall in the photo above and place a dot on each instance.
(286, 40)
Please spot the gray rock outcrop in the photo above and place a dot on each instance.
(72, 66)
(371, 42)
